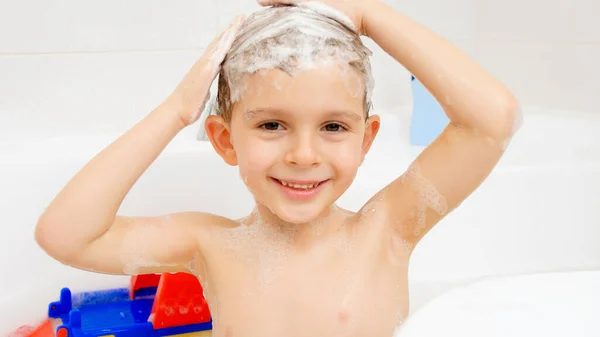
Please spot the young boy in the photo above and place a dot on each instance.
(298, 130)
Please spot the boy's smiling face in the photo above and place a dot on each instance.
(298, 140)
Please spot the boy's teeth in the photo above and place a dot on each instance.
(300, 187)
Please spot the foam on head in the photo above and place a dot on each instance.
(291, 39)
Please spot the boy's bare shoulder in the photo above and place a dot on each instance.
(205, 227)
(200, 221)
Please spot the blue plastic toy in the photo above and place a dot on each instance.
(428, 118)
(117, 313)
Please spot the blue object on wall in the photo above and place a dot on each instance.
(428, 118)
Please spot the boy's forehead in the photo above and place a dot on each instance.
(271, 112)
(325, 85)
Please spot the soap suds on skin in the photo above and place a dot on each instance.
(136, 253)
(193, 265)
(399, 248)
(427, 194)
(255, 241)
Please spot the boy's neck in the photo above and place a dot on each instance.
(298, 235)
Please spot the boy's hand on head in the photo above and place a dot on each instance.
(91, 235)
(353, 9)
(191, 95)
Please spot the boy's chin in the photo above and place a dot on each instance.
(299, 215)
(297, 219)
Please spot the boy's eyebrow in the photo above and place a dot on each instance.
(259, 112)
(346, 114)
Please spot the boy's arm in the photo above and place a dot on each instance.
(81, 227)
(483, 117)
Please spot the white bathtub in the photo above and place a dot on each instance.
(538, 211)
(548, 304)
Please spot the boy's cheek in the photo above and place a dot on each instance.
(254, 161)
(347, 156)
(257, 154)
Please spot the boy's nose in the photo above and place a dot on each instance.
(303, 152)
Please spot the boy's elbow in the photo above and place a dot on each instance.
(508, 117)
(43, 236)
(49, 241)
(514, 115)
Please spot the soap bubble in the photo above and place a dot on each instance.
(137, 254)
(427, 195)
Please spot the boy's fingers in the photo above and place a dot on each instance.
(217, 42)
(196, 83)
(218, 49)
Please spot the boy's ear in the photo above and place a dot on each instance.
(371, 130)
(218, 131)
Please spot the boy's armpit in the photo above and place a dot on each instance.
(439, 180)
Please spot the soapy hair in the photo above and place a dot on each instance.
(291, 38)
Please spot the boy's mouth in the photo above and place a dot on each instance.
(300, 185)
(300, 190)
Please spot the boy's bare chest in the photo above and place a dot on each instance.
(345, 290)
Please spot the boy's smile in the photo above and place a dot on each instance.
(301, 190)
(298, 140)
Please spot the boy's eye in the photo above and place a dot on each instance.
(334, 127)
(271, 126)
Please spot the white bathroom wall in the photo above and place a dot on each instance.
(72, 66)
(545, 50)
(69, 66)
(85, 67)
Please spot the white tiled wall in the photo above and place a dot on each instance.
(74, 26)
(546, 51)
(99, 66)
